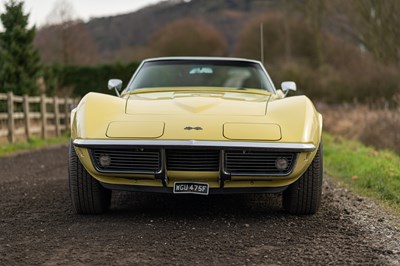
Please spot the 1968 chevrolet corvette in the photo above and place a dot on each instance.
(199, 125)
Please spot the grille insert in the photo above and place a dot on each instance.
(193, 160)
(149, 161)
(128, 160)
(241, 162)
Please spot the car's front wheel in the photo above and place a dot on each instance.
(304, 196)
(87, 194)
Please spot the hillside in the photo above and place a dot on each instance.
(137, 28)
(116, 33)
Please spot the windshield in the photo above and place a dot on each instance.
(197, 73)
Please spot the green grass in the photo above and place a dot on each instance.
(33, 143)
(365, 170)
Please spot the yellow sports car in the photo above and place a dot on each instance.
(199, 125)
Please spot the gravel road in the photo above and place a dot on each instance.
(37, 225)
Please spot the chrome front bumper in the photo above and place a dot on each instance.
(279, 146)
(161, 172)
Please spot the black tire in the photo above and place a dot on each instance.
(87, 194)
(304, 196)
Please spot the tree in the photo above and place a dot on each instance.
(70, 45)
(20, 61)
(189, 37)
(377, 27)
(275, 25)
(65, 39)
(313, 12)
(62, 15)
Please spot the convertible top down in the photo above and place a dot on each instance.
(199, 125)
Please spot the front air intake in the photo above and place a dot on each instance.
(262, 163)
(135, 160)
(193, 160)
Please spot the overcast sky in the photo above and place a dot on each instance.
(39, 9)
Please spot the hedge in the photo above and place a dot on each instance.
(79, 80)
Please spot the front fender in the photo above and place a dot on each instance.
(91, 117)
(298, 119)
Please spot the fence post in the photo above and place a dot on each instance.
(26, 117)
(43, 115)
(66, 114)
(56, 116)
(10, 102)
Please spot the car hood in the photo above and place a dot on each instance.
(197, 103)
(101, 116)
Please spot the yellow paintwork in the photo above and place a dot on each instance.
(129, 129)
(223, 114)
(254, 131)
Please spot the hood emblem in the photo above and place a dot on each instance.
(193, 128)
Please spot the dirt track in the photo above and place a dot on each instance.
(37, 225)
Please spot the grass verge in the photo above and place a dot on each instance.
(365, 170)
(33, 143)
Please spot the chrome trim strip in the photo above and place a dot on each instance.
(282, 146)
(223, 175)
(200, 58)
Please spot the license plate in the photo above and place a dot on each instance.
(191, 188)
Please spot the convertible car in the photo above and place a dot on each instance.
(199, 125)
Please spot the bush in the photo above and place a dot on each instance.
(189, 37)
(378, 126)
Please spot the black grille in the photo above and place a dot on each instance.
(128, 160)
(193, 160)
(241, 162)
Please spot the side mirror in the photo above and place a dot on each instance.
(288, 86)
(115, 84)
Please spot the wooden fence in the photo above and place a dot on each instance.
(26, 116)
